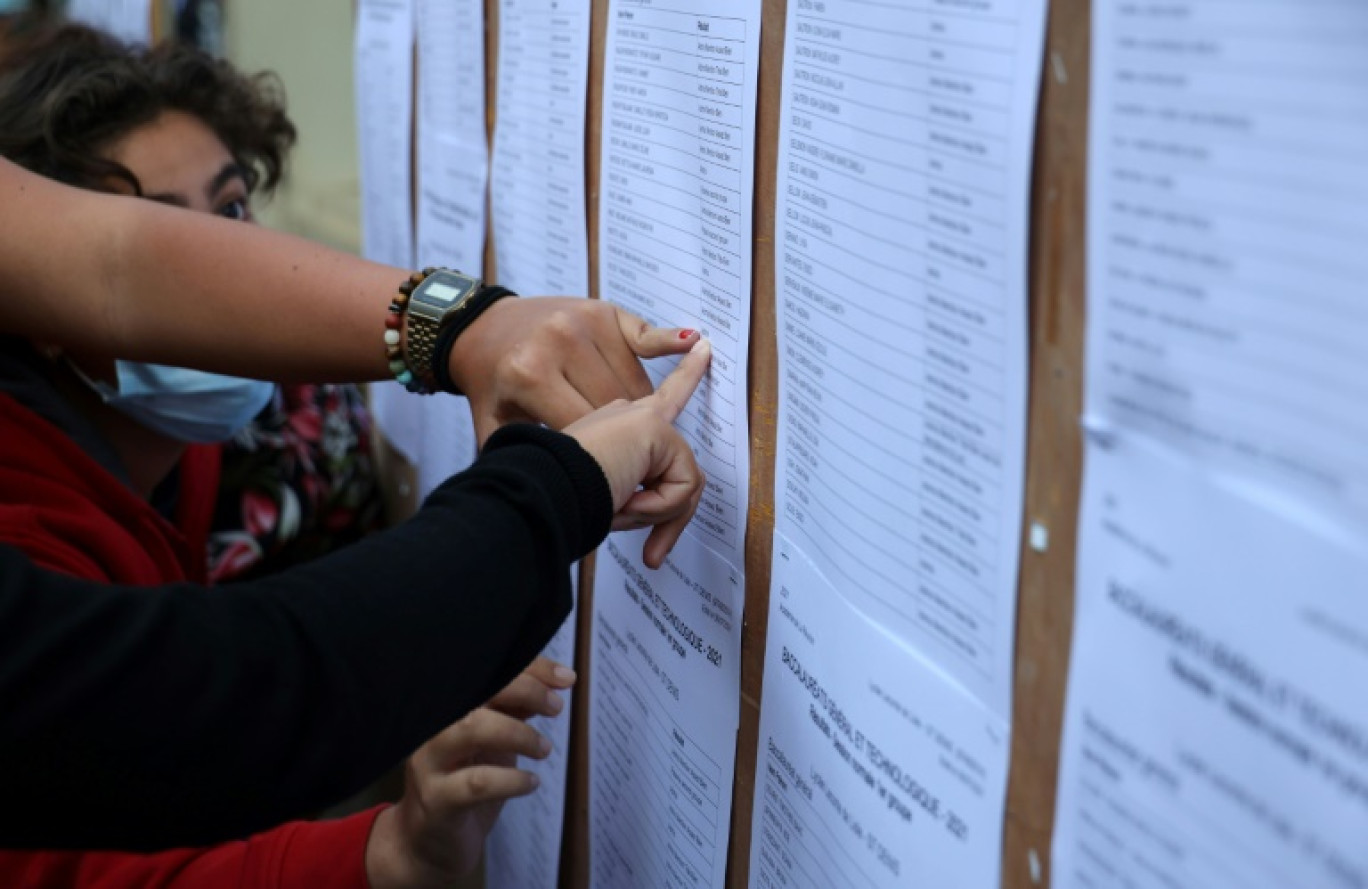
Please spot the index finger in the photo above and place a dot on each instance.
(674, 391)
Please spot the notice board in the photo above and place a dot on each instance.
(1054, 444)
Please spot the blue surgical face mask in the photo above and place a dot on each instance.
(187, 405)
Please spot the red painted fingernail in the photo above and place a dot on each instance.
(685, 334)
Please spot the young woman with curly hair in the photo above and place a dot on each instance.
(298, 480)
(106, 471)
(307, 684)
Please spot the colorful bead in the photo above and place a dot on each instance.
(394, 327)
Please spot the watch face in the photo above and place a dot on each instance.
(439, 294)
(442, 290)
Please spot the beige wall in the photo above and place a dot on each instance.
(309, 44)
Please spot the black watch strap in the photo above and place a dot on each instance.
(485, 297)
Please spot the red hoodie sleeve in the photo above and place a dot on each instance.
(298, 855)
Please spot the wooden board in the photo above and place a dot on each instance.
(1054, 444)
(1045, 608)
(575, 839)
(763, 408)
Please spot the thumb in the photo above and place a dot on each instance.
(648, 341)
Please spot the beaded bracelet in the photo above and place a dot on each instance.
(394, 337)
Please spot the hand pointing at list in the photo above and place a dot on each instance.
(636, 441)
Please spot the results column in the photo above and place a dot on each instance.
(537, 191)
(902, 187)
(674, 247)
(675, 232)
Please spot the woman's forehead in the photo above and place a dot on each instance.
(175, 153)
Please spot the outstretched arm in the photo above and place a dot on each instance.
(299, 688)
(136, 279)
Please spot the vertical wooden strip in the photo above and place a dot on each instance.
(762, 406)
(593, 129)
(491, 24)
(1045, 606)
(575, 851)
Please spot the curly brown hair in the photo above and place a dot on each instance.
(69, 92)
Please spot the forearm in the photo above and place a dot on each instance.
(293, 310)
(181, 716)
(298, 855)
(150, 282)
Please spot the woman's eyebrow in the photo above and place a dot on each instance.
(231, 170)
(174, 200)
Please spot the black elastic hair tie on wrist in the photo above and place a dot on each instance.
(446, 339)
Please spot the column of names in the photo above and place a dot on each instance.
(675, 217)
(537, 189)
(901, 273)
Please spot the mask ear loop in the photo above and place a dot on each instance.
(106, 392)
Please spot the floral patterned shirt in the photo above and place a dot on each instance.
(296, 483)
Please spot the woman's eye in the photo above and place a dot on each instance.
(235, 209)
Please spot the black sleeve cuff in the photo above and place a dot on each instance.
(586, 501)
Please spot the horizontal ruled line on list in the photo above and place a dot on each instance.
(853, 864)
(711, 120)
(616, 281)
(656, 258)
(931, 287)
(905, 88)
(907, 63)
(913, 464)
(935, 633)
(710, 100)
(623, 75)
(692, 174)
(974, 581)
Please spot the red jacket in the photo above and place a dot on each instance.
(69, 514)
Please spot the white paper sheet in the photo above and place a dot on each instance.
(677, 179)
(675, 234)
(523, 850)
(436, 434)
(446, 443)
(537, 188)
(1229, 152)
(453, 156)
(665, 668)
(537, 205)
(1215, 731)
(675, 226)
(872, 772)
(384, 118)
(904, 182)
(128, 20)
